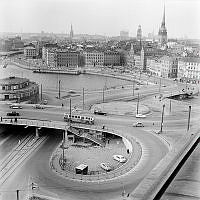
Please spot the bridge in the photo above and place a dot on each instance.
(180, 93)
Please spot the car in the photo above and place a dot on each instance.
(13, 113)
(119, 158)
(15, 106)
(138, 124)
(105, 167)
(38, 106)
(45, 101)
(140, 115)
(99, 112)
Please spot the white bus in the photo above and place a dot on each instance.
(79, 118)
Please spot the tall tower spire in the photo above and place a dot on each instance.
(71, 34)
(163, 31)
(163, 21)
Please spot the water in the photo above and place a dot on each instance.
(68, 82)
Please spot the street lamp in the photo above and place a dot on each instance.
(161, 125)
(189, 113)
(133, 87)
(103, 94)
(83, 99)
(137, 104)
(59, 89)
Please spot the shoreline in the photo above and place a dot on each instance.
(77, 72)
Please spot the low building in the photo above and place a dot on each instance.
(19, 89)
(30, 52)
(189, 69)
(111, 58)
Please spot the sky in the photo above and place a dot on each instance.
(105, 17)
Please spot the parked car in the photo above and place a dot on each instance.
(15, 106)
(138, 124)
(38, 106)
(13, 113)
(99, 112)
(105, 166)
(119, 158)
(140, 116)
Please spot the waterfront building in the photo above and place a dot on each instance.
(17, 43)
(169, 67)
(162, 34)
(30, 52)
(20, 89)
(46, 48)
(111, 58)
(189, 69)
(11, 44)
(6, 45)
(66, 58)
(139, 33)
(154, 66)
(94, 58)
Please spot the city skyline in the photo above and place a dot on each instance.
(99, 17)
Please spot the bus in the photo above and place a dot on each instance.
(78, 118)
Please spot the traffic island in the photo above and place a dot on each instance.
(88, 162)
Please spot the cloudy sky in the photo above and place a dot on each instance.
(106, 17)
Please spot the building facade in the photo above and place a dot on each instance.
(67, 58)
(19, 89)
(154, 66)
(30, 52)
(111, 58)
(189, 69)
(169, 67)
(130, 58)
(94, 58)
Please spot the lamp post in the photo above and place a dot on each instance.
(133, 87)
(17, 194)
(41, 91)
(83, 99)
(63, 150)
(137, 104)
(170, 105)
(189, 113)
(70, 111)
(59, 89)
(103, 94)
(161, 125)
(159, 90)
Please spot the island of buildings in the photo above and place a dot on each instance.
(156, 55)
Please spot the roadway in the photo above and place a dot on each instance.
(37, 166)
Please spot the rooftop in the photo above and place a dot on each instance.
(13, 80)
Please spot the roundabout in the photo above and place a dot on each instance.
(65, 160)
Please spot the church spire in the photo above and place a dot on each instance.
(71, 35)
(163, 21)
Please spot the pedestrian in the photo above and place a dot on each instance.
(153, 123)
(103, 127)
(11, 120)
(127, 151)
(15, 119)
(1, 119)
(62, 105)
(108, 141)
